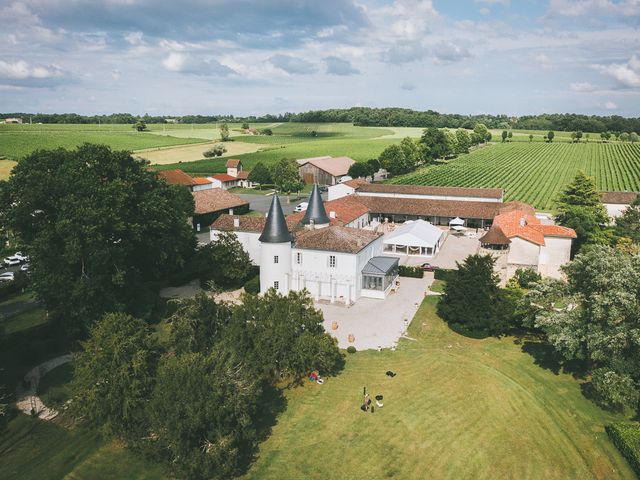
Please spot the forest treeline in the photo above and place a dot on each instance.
(365, 116)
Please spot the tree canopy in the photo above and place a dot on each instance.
(600, 321)
(260, 174)
(580, 208)
(100, 228)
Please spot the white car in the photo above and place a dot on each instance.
(301, 207)
(24, 268)
(7, 277)
(12, 261)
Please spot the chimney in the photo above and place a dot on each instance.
(231, 211)
(332, 214)
(236, 222)
(523, 222)
(312, 224)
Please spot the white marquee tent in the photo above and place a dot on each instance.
(416, 237)
(456, 222)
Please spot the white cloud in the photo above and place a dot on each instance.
(579, 8)
(134, 38)
(610, 105)
(448, 52)
(195, 65)
(339, 66)
(23, 74)
(506, 3)
(292, 65)
(582, 87)
(626, 74)
(484, 11)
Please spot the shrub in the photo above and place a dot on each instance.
(626, 438)
(443, 274)
(351, 349)
(267, 131)
(526, 276)
(413, 272)
(253, 285)
(215, 151)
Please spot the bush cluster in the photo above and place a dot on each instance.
(444, 274)
(253, 285)
(626, 438)
(412, 272)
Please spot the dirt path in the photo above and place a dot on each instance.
(28, 401)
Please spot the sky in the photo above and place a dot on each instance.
(252, 57)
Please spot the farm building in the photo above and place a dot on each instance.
(235, 176)
(617, 202)
(13, 120)
(345, 188)
(324, 170)
(426, 192)
(517, 239)
(177, 177)
(212, 202)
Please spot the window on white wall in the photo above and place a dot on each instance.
(275, 259)
(332, 261)
(299, 258)
(276, 285)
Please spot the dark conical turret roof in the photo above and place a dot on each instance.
(275, 229)
(315, 210)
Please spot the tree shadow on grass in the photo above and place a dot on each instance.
(271, 404)
(546, 356)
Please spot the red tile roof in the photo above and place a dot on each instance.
(347, 209)
(201, 181)
(233, 163)
(618, 198)
(243, 174)
(518, 223)
(223, 177)
(176, 177)
(432, 190)
(356, 182)
(335, 239)
(216, 199)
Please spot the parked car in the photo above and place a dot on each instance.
(301, 207)
(427, 267)
(24, 268)
(12, 261)
(20, 256)
(7, 277)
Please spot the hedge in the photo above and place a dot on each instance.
(626, 438)
(444, 274)
(253, 285)
(413, 272)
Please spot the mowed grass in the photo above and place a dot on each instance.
(5, 168)
(296, 140)
(458, 408)
(17, 141)
(33, 449)
(536, 172)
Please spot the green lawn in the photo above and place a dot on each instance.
(33, 449)
(23, 321)
(458, 408)
(16, 141)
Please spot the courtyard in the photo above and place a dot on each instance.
(376, 323)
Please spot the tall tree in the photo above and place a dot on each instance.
(360, 170)
(260, 174)
(394, 160)
(463, 141)
(114, 377)
(602, 324)
(628, 224)
(224, 132)
(435, 143)
(472, 300)
(100, 229)
(201, 414)
(580, 208)
(530, 137)
(411, 152)
(224, 261)
(550, 136)
(482, 131)
(285, 174)
(505, 134)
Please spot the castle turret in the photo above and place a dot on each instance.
(315, 215)
(275, 251)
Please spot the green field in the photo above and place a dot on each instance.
(296, 140)
(16, 141)
(535, 173)
(458, 408)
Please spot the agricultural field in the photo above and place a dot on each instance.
(16, 141)
(300, 140)
(535, 173)
(458, 408)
